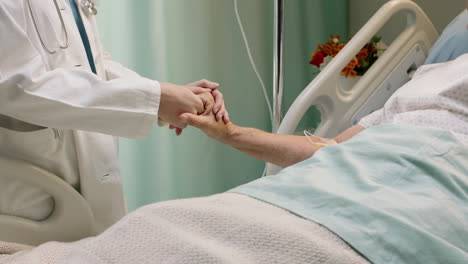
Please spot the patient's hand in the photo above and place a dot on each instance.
(215, 129)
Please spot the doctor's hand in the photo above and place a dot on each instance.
(208, 104)
(219, 110)
(177, 99)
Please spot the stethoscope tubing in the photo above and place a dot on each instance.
(87, 6)
(67, 41)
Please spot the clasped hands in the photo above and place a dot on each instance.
(200, 98)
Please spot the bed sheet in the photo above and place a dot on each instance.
(223, 228)
(396, 193)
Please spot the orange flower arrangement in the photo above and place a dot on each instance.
(358, 65)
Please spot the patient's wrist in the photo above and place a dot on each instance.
(231, 133)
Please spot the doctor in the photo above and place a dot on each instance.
(64, 101)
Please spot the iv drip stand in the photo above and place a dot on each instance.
(278, 49)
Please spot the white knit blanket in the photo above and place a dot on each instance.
(224, 228)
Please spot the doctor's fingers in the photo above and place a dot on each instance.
(197, 101)
(208, 102)
(198, 90)
(205, 84)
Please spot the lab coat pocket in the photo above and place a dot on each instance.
(31, 146)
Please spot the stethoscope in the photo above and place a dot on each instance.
(88, 7)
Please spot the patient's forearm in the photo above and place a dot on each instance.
(349, 133)
(282, 150)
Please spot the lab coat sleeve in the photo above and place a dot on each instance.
(115, 70)
(69, 98)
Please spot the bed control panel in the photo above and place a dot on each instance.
(399, 76)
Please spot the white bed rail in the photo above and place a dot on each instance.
(338, 107)
(71, 219)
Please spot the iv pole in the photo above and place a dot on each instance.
(278, 49)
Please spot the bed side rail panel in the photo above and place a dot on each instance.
(340, 108)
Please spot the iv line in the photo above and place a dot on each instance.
(328, 142)
(252, 62)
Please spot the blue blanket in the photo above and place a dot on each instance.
(397, 194)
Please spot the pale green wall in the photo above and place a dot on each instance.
(308, 23)
(185, 40)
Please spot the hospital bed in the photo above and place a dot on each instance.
(72, 219)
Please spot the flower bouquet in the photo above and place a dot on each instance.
(358, 65)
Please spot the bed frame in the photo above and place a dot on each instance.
(339, 108)
(72, 218)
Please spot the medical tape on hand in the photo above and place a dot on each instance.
(329, 142)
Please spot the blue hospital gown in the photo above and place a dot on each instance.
(453, 41)
(395, 193)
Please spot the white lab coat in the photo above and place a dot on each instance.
(82, 113)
